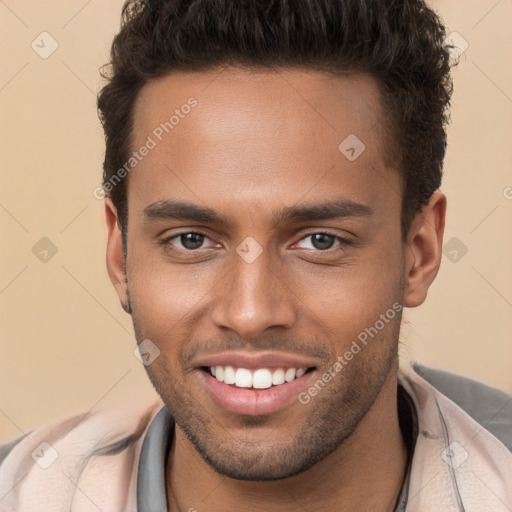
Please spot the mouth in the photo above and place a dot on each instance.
(255, 391)
(260, 378)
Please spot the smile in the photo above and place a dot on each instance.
(257, 391)
(261, 378)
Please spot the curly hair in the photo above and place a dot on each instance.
(398, 42)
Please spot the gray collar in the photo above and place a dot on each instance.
(151, 483)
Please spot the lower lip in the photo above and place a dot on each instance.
(251, 401)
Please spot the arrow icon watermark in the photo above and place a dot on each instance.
(352, 147)
(249, 249)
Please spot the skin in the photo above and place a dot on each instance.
(255, 144)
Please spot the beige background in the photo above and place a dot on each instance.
(65, 344)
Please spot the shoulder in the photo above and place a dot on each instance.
(96, 452)
(488, 406)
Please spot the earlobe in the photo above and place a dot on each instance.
(115, 257)
(424, 250)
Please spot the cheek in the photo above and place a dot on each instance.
(164, 293)
(350, 302)
(367, 282)
(168, 306)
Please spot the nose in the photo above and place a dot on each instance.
(252, 298)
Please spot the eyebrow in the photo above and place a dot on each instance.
(333, 209)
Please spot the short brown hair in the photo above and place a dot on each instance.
(398, 42)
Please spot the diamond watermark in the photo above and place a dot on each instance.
(146, 352)
(352, 147)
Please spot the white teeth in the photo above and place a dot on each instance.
(299, 373)
(288, 376)
(243, 378)
(278, 377)
(263, 378)
(229, 375)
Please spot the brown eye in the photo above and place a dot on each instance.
(320, 241)
(187, 241)
(191, 240)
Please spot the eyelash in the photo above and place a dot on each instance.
(342, 241)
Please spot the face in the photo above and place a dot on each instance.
(257, 247)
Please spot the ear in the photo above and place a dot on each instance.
(424, 250)
(115, 258)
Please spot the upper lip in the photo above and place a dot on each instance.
(252, 360)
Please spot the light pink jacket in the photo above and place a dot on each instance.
(457, 464)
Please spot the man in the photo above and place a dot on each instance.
(272, 173)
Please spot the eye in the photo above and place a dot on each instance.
(322, 241)
(187, 241)
(190, 241)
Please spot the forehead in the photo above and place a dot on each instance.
(281, 99)
(249, 132)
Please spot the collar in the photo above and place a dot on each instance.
(151, 482)
(458, 464)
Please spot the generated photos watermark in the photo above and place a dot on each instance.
(151, 143)
(356, 346)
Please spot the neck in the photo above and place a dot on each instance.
(366, 472)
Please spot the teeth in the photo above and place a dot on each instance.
(243, 378)
(262, 378)
(278, 377)
(288, 376)
(229, 375)
(299, 373)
